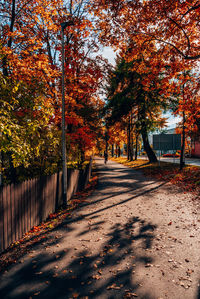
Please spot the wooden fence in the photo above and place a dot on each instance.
(29, 203)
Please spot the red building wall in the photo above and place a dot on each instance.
(197, 149)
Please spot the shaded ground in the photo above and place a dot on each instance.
(136, 237)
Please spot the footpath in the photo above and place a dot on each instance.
(135, 237)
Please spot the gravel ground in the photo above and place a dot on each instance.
(134, 238)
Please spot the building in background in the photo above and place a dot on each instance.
(195, 151)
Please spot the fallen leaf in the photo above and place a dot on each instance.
(100, 272)
(114, 286)
(148, 265)
(97, 277)
(187, 261)
(130, 295)
(189, 271)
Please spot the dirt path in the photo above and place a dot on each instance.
(134, 238)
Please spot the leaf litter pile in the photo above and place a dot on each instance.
(39, 233)
(187, 179)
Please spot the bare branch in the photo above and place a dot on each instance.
(191, 9)
(185, 34)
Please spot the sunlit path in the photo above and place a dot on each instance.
(134, 237)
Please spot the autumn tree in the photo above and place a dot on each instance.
(174, 25)
(187, 107)
(30, 55)
(137, 95)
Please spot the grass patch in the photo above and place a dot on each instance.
(188, 178)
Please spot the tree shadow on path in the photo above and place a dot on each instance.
(103, 268)
(108, 272)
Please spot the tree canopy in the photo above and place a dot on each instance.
(156, 42)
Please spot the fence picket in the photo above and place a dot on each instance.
(1, 220)
(32, 202)
(37, 205)
(23, 208)
(9, 211)
(12, 205)
(20, 210)
(28, 205)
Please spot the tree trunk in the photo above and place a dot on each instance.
(131, 137)
(182, 162)
(142, 116)
(82, 156)
(112, 151)
(128, 142)
(150, 153)
(119, 151)
(136, 147)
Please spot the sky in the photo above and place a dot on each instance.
(108, 53)
(172, 121)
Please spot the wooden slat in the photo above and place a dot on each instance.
(46, 198)
(28, 205)
(9, 211)
(37, 203)
(1, 221)
(32, 202)
(5, 216)
(16, 211)
(54, 192)
(60, 190)
(12, 203)
(24, 207)
(19, 192)
(41, 198)
(57, 191)
(51, 195)
(34, 194)
(20, 210)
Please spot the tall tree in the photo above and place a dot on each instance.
(131, 91)
(30, 77)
